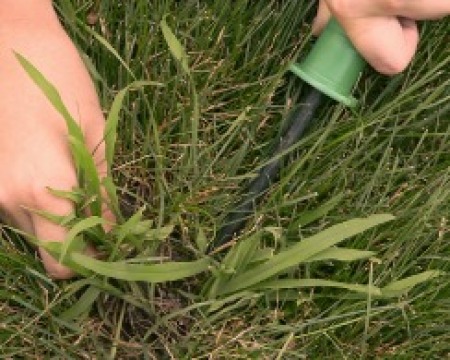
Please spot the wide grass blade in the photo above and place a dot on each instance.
(301, 252)
(158, 273)
(83, 304)
(235, 262)
(341, 254)
(395, 289)
(312, 283)
(399, 287)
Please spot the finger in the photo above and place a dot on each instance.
(413, 9)
(51, 232)
(23, 220)
(12, 215)
(322, 18)
(391, 54)
(417, 9)
(411, 36)
(47, 230)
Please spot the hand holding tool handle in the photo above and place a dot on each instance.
(333, 66)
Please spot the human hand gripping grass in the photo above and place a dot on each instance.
(58, 148)
(34, 145)
(384, 31)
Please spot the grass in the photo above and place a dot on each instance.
(181, 154)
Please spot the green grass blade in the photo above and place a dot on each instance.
(83, 305)
(235, 262)
(303, 251)
(341, 254)
(159, 234)
(201, 241)
(88, 174)
(262, 255)
(123, 230)
(137, 272)
(127, 228)
(312, 283)
(112, 120)
(175, 46)
(398, 288)
(180, 55)
(63, 220)
(76, 230)
(75, 195)
(242, 253)
(112, 199)
(110, 48)
(310, 216)
(144, 227)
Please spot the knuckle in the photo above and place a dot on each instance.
(57, 271)
(339, 8)
(5, 199)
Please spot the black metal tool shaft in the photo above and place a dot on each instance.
(237, 218)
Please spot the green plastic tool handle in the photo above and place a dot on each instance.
(333, 66)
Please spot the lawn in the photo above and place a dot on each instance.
(191, 131)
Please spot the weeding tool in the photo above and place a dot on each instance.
(332, 68)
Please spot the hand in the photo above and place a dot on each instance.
(34, 151)
(384, 31)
